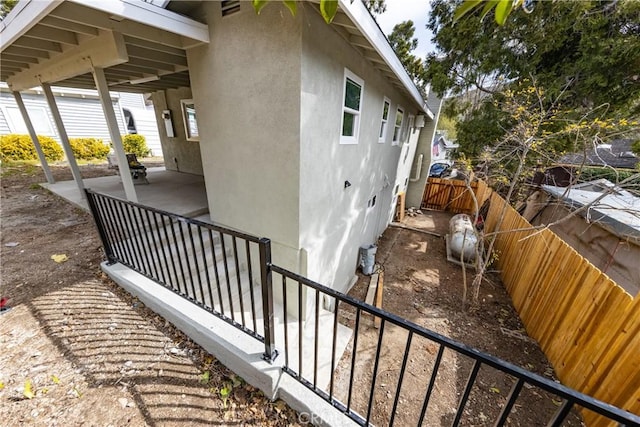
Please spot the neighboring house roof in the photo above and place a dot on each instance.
(141, 45)
(610, 206)
(617, 154)
(441, 148)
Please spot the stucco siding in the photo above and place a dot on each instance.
(246, 89)
(179, 154)
(335, 221)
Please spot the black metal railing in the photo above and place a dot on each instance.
(337, 351)
(355, 388)
(214, 267)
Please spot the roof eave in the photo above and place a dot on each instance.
(364, 22)
(24, 16)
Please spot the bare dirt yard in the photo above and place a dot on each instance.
(422, 286)
(77, 350)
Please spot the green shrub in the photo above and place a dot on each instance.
(136, 144)
(20, 147)
(89, 148)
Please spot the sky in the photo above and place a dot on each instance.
(403, 10)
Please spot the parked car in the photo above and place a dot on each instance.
(440, 170)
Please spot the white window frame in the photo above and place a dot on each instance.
(190, 120)
(397, 135)
(384, 121)
(39, 119)
(351, 139)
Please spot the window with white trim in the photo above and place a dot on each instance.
(351, 108)
(39, 120)
(384, 123)
(397, 127)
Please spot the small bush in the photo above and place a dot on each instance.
(89, 148)
(136, 144)
(20, 147)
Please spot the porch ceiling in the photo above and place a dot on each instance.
(52, 41)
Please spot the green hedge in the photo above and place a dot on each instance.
(89, 148)
(20, 147)
(137, 144)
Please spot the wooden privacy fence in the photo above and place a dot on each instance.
(453, 195)
(587, 325)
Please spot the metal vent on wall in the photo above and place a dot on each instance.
(229, 7)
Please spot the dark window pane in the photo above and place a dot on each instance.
(352, 96)
(348, 124)
(385, 111)
(399, 115)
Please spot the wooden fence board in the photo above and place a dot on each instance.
(601, 329)
(565, 304)
(588, 327)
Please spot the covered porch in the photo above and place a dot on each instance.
(175, 192)
(127, 46)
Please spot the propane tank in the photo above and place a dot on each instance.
(463, 237)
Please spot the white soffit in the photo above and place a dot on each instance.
(55, 41)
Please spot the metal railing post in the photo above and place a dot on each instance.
(108, 251)
(270, 352)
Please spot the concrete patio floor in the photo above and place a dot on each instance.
(176, 192)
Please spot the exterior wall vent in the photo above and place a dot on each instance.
(230, 7)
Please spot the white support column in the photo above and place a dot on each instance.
(114, 132)
(34, 137)
(64, 139)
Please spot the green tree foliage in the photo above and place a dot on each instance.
(376, 7)
(585, 55)
(20, 147)
(6, 6)
(403, 42)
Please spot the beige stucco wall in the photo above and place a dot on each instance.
(335, 221)
(248, 104)
(179, 154)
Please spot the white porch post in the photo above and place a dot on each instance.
(34, 137)
(75, 171)
(114, 132)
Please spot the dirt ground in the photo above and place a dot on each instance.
(77, 350)
(422, 286)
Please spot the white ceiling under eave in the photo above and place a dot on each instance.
(140, 46)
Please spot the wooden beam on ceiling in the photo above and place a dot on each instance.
(167, 58)
(8, 57)
(52, 21)
(342, 20)
(146, 63)
(88, 16)
(26, 41)
(26, 52)
(360, 42)
(134, 41)
(53, 34)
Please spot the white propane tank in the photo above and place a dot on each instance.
(463, 237)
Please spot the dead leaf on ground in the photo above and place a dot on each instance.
(59, 258)
(28, 390)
